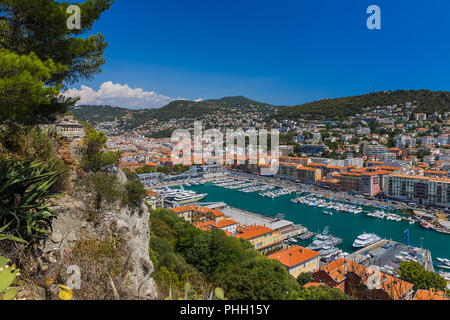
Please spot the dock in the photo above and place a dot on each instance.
(286, 228)
(385, 252)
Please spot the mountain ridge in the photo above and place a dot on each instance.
(427, 101)
(176, 109)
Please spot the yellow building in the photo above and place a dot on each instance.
(196, 214)
(308, 175)
(262, 238)
(298, 260)
(154, 200)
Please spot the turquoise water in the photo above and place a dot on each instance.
(341, 224)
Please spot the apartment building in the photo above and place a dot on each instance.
(351, 182)
(419, 189)
(404, 141)
(374, 150)
(154, 200)
(262, 238)
(196, 214)
(228, 225)
(308, 175)
(420, 116)
(365, 181)
(297, 260)
(288, 170)
(297, 160)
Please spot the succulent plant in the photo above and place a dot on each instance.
(220, 295)
(8, 275)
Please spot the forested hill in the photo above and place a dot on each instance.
(426, 101)
(174, 110)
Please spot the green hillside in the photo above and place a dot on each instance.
(427, 101)
(93, 113)
(174, 110)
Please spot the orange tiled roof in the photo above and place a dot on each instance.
(294, 256)
(251, 232)
(183, 209)
(300, 167)
(225, 223)
(338, 270)
(205, 225)
(419, 177)
(429, 295)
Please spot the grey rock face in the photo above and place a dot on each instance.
(71, 226)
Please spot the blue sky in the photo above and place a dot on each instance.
(281, 52)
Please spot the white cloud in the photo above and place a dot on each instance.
(119, 95)
(198, 100)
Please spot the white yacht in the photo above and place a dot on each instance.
(365, 239)
(444, 261)
(179, 197)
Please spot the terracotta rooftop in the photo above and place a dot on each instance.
(225, 223)
(338, 270)
(429, 295)
(294, 256)
(251, 232)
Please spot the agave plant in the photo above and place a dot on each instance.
(7, 277)
(24, 213)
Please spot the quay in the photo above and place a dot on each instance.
(388, 254)
(286, 228)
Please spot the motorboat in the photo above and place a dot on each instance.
(365, 239)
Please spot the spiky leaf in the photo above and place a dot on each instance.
(219, 294)
(10, 294)
(7, 277)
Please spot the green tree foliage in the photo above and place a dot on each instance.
(304, 278)
(164, 169)
(426, 100)
(24, 95)
(145, 169)
(40, 26)
(39, 54)
(179, 168)
(288, 138)
(94, 157)
(416, 274)
(134, 193)
(26, 143)
(227, 262)
(322, 293)
(325, 133)
(258, 278)
(104, 187)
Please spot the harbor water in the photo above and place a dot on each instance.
(341, 224)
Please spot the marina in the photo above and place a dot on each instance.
(349, 220)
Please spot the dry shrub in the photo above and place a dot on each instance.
(103, 265)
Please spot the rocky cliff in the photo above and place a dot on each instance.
(117, 268)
